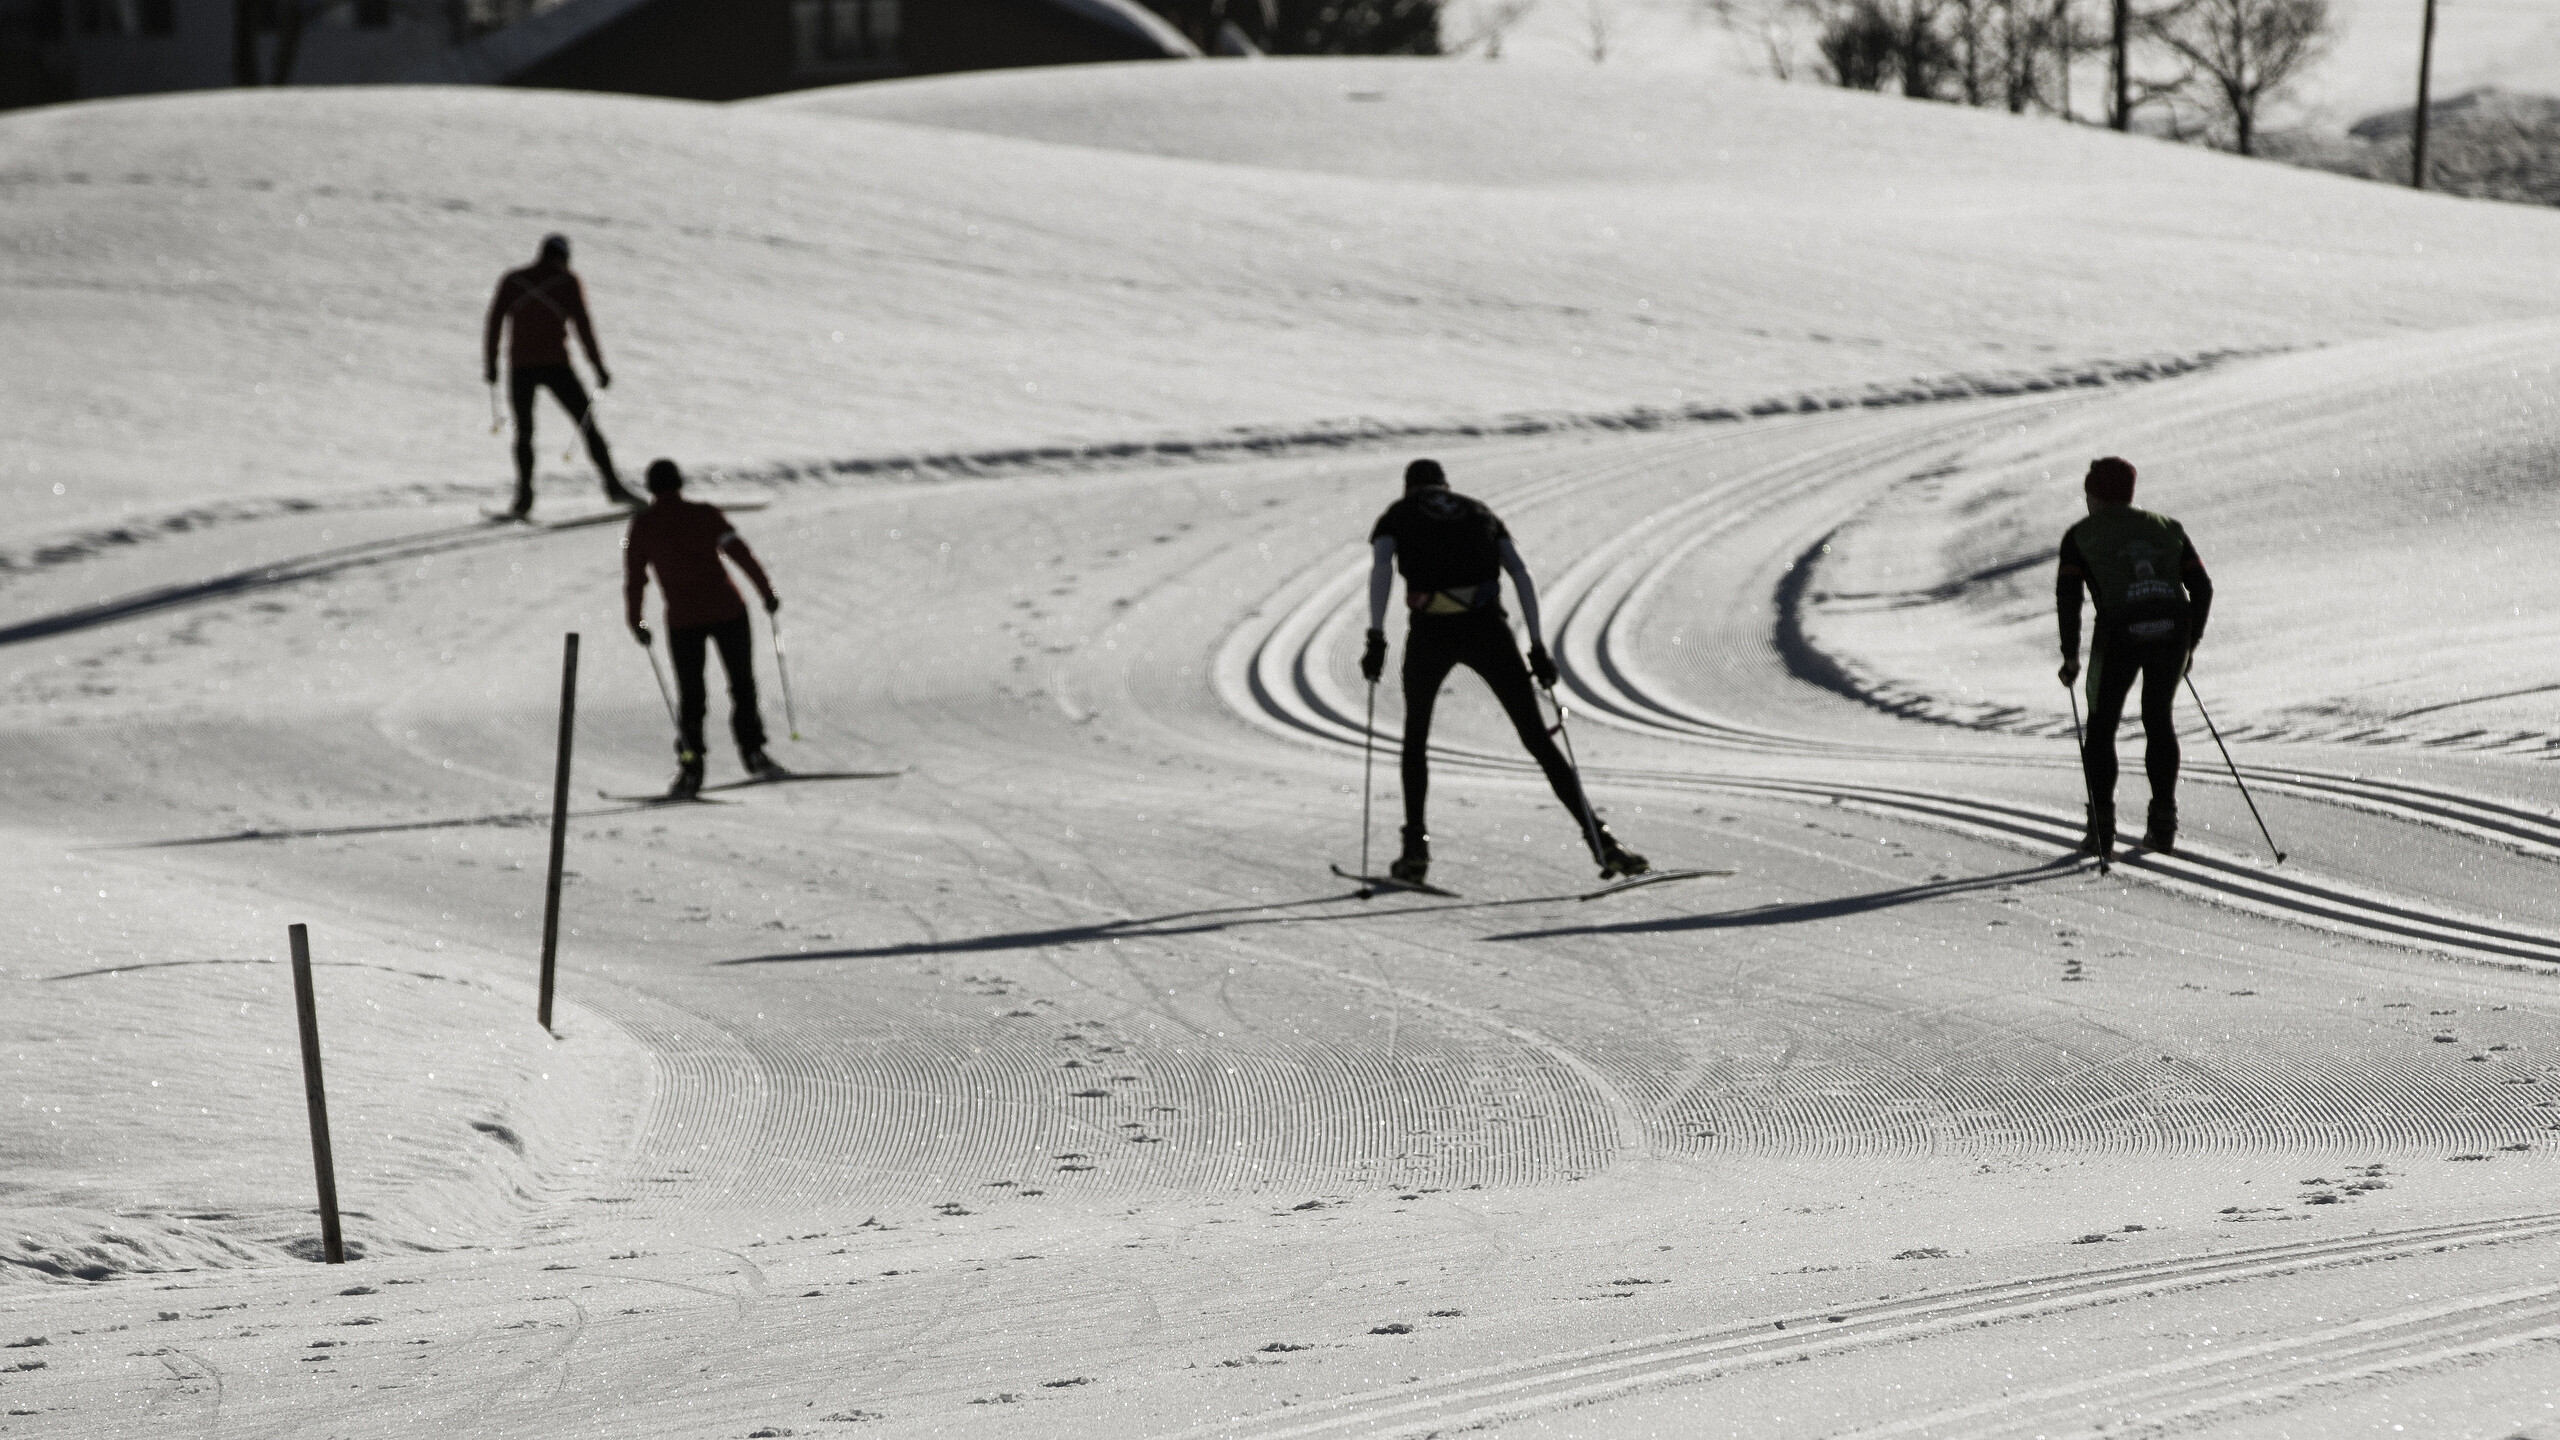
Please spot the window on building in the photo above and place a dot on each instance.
(471, 19)
(830, 35)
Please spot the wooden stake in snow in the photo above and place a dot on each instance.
(333, 1246)
(559, 824)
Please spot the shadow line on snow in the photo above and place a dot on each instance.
(318, 564)
(1179, 923)
(503, 820)
(265, 960)
(1804, 911)
(2474, 700)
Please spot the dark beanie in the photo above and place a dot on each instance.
(2110, 481)
(555, 248)
(1424, 472)
(664, 477)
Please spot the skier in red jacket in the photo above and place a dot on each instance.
(537, 305)
(683, 541)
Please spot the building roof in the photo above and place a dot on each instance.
(496, 58)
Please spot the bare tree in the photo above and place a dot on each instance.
(1868, 44)
(1599, 22)
(1491, 23)
(1775, 28)
(2244, 52)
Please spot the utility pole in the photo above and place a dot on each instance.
(2121, 115)
(2426, 64)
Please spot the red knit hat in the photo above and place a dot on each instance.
(2110, 481)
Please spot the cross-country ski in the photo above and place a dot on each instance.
(1657, 877)
(1374, 885)
(779, 776)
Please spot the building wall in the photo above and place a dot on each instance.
(53, 50)
(733, 49)
(130, 47)
(33, 68)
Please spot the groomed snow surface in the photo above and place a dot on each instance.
(1045, 1082)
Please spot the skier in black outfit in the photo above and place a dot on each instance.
(2153, 596)
(538, 306)
(1453, 552)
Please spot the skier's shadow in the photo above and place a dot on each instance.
(266, 576)
(1808, 911)
(1181, 922)
(504, 819)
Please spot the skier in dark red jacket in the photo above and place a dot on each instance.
(683, 541)
(536, 306)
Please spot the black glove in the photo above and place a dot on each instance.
(640, 633)
(604, 378)
(1373, 660)
(1542, 665)
(2070, 668)
(772, 603)
(489, 376)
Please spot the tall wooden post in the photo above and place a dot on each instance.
(333, 1245)
(2426, 64)
(559, 824)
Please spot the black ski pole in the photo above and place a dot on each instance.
(663, 695)
(586, 428)
(1368, 760)
(782, 667)
(2080, 748)
(1590, 822)
(2235, 770)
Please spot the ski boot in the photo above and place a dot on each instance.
(760, 765)
(688, 781)
(1412, 867)
(1617, 862)
(2099, 840)
(2162, 833)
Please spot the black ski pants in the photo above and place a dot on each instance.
(2114, 662)
(522, 385)
(1482, 642)
(736, 639)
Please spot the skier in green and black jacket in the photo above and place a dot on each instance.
(2152, 596)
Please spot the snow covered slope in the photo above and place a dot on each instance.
(235, 297)
(2377, 517)
(1046, 1080)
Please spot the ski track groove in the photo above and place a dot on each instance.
(1271, 673)
(1495, 1393)
(772, 1112)
(1315, 1115)
(2158, 1398)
